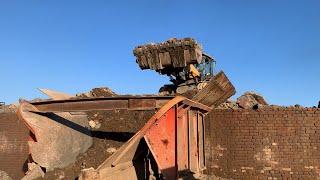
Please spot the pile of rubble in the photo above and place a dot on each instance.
(98, 92)
(249, 100)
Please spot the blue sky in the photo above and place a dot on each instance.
(268, 46)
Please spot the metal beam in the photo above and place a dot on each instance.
(108, 103)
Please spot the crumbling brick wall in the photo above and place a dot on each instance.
(268, 143)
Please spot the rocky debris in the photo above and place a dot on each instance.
(89, 174)
(8, 108)
(251, 100)
(171, 53)
(4, 176)
(98, 92)
(34, 172)
(213, 177)
(229, 104)
(319, 104)
(111, 150)
(298, 106)
(94, 124)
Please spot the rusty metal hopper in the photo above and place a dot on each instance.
(170, 145)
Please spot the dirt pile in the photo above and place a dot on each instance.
(98, 92)
(249, 100)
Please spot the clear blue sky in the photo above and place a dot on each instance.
(268, 46)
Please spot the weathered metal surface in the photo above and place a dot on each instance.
(161, 137)
(193, 142)
(217, 91)
(182, 140)
(55, 94)
(13, 145)
(109, 103)
(201, 141)
(163, 140)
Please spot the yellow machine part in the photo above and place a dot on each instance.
(194, 72)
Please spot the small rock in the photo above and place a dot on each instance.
(111, 150)
(83, 165)
(34, 172)
(61, 175)
(89, 174)
(228, 105)
(94, 124)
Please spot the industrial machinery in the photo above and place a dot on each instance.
(182, 60)
(169, 146)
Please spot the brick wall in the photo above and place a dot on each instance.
(13, 145)
(269, 143)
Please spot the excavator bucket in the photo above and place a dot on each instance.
(216, 91)
(169, 146)
(170, 54)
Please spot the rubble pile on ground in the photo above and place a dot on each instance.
(229, 105)
(98, 92)
(249, 100)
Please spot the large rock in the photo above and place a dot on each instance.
(250, 100)
(98, 92)
(59, 137)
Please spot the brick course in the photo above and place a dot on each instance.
(268, 143)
